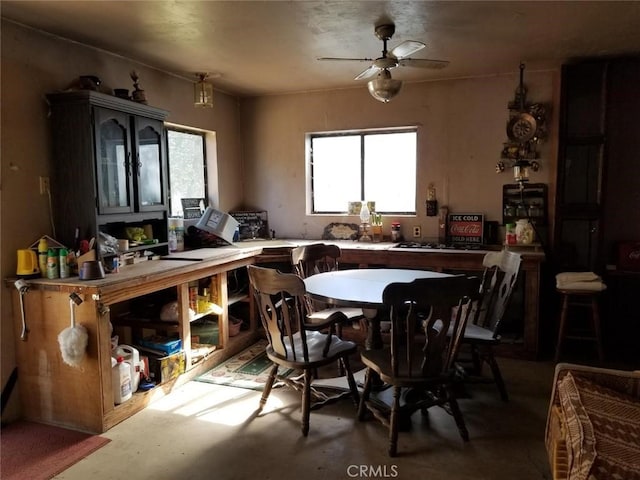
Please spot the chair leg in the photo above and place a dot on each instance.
(268, 386)
(595, 317)
(563, 325)
(393, 423)
(497, 375)
(306, 402)
(457, 414)
(476, 360)
(362, 408)
(344, 361)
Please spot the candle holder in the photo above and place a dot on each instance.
(365, 218)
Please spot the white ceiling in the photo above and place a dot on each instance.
(269, 47)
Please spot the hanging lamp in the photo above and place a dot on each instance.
(383, 88)
(203, 91)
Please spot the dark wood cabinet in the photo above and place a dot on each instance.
(598, 199)
(581, 163)
(110, 166)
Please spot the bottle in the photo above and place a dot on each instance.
(121, 378)
(63, 263)
(52, 264)
(173, 241)
(43, 248)
(510, 234)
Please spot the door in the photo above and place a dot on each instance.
(150, 170)
(114, 174)
(581, 167)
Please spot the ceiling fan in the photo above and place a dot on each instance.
(384, 88)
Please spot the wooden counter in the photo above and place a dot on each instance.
(82, 398)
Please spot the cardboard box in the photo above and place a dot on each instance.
(163, 369)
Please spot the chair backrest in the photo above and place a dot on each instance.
(499, 277)
(308, 260)
(280, 301)
(448, 301)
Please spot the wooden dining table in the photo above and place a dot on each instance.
(362, 288)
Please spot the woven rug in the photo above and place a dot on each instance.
(247, 369)
(35, 451)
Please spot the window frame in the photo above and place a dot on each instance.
(191, 131)
(362, 133)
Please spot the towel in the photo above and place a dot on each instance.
(594, 286)
(572, 277)
(587, 281)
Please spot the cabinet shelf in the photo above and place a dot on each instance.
(528, 201)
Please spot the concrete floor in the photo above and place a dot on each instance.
(204, 431)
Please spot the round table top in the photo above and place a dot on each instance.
(360, 287)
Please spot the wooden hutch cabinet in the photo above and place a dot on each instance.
(109, 166)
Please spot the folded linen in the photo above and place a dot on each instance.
(594, 286)
(573, 277)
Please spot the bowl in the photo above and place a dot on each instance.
(91, 270)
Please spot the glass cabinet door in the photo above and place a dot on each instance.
(113, 162)
(150, 171)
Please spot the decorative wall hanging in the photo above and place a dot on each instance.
(526, 128)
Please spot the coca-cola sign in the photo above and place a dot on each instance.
(466, 228)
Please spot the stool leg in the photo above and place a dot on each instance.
(563, 326)
(595, 315)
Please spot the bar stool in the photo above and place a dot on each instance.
(579, 298)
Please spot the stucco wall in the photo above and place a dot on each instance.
(461, 129)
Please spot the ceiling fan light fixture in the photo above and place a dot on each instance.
(383, 88)
(203, 91)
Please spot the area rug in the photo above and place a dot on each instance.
(247, 369)
(35, 451)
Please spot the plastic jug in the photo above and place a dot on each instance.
(132, 357)
(121, 377)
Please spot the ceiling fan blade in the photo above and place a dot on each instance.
(422, 63)
(339, 59)
(369, 72)
(407, 48)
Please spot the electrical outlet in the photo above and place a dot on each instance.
(44, 185)
(417, 231)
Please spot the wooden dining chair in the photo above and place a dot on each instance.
(483, 331)
(421, 355)
(280, 298)
(316, 258)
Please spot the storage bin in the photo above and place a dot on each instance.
(163, 369)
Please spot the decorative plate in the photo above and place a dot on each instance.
(340, 231)
(522, 128)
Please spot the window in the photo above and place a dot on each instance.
(375, 166)
(187, 167)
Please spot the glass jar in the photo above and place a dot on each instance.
(395, 232)
(524, 231)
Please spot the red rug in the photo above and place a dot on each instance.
(36, 451)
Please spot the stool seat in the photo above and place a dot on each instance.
(583, 298)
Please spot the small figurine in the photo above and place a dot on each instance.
(138, 94)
